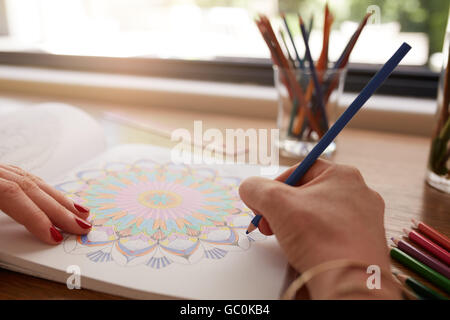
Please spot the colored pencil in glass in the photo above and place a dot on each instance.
(432, 233)
(419, 288)
(428, 245)
(287, 73)
(421, 269)
(312, 68)
(283, 39)
(430, 261)
(297, 56)
(341, 63)
(310, 26)
(323, 58)
(340, 123)
(292, 116)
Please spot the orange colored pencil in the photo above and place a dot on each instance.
(323, 59)
(321, 67)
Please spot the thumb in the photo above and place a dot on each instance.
(267, 197)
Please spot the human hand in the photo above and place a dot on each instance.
(39, 207)
(332, 214)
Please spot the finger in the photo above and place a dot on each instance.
(263, 226)
(76, 208)
(268, 197)
(58, 215)
(15, 203)
(316, 170)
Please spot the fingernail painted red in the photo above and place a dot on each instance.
(81, 208)
(82, 223)
(56, 235)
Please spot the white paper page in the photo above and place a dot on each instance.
(49, 139)
(125, 254)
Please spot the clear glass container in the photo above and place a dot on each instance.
(297, 134)
(438, 171)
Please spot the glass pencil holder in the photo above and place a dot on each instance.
(438, 170)
(305, 113)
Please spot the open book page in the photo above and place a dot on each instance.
(160, 230)
(48, 139)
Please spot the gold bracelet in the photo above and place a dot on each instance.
(298, 283)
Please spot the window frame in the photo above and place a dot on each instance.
(405, 80)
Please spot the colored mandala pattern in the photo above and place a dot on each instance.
(158, 214)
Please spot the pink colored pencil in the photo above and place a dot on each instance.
(432, 233)
(428, 245)
(426, 259)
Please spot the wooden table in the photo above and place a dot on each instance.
(392, 164)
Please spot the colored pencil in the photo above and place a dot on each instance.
(430, 261)
(310, 27)
(428, 245)
(341, 63)
(317, 86)
(323, 58)
(292, 117)
(321, 68)
(283, 39)
(287, 75)
(423, 270)
(419, 288)
(432, 233)
(340, 123)
(297, 56)
(345, 55)
(444, 116)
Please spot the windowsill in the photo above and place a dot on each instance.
(384, 113)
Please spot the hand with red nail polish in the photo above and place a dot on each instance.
(42, 209)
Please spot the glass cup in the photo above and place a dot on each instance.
(438, 171)
(303, 117)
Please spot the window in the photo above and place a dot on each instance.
(216, 40)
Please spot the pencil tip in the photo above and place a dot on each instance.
(300, 19)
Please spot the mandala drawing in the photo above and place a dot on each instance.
(158, 214)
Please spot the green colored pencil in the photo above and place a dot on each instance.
(294, 111)
(425, 271)
(420, 289)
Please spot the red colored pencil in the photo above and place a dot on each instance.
(432, 233)
(428, 245)
(345, 56)
(426, 259)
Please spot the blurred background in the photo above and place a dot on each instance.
(215, 40)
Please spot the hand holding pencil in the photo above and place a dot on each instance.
(330, 214)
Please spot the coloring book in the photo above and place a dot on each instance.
(160, 229)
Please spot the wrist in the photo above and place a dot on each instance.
(346, 279)
(351, 283)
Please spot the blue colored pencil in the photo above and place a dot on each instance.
(297, 56)
(312, 68)
(340, 123)
(311, 23)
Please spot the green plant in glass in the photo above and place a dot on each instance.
(440, 146)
